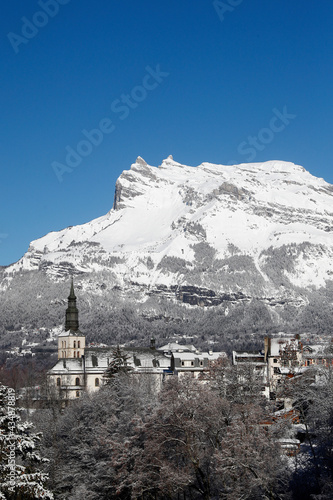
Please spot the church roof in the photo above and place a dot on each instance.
(67, 365)
(138, 357)
(72, 333)
(97, 359)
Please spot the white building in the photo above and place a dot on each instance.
(70, 377)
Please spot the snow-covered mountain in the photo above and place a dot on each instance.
(189, 214)
(201, 235)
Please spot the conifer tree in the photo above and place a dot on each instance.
(119, 363)
(19, 476)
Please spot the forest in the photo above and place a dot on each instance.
(34, 305)
(210, 438)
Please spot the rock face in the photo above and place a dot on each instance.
(201, 235)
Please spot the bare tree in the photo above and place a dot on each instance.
(205, 446)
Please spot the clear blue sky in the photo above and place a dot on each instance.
(219, 77)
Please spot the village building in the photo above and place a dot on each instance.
(283, 356)
(257, 359)
(193, 362)
(188, 359)
(318, 355)
(280, 360)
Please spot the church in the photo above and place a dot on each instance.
(82, 368)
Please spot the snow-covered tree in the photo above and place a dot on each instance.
(20, 477)
(118, 364)
(312, 393)
(204, 445)
(97, 439)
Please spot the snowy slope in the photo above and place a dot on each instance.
(227, 228)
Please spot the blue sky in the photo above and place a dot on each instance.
(201, 80)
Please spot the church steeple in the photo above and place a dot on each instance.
(72, 313)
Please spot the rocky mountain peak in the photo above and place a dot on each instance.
(140, 161)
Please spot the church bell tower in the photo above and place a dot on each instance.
(72, 313)
(71, 342)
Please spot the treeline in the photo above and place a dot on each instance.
(106, 315)
(18, 372)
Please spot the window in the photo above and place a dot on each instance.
(77, 394)
(78, 354)
(74, 344)
(58, 381)
(275, 361)
(96, 382)
(78, 344)
(187, 363)
(77, 381)
(74, 354)
(65, 344)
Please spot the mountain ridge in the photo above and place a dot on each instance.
(162, 209)
(211, 235)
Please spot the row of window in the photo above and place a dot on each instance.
(76, 354)
(63, 344)
(77, 381)
(315, 361)
(191, 363)
(318, 361)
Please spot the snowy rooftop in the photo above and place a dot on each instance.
(71, 333)
(175, 347)
(280, 343)
(317, 350)
(201, 356)
(68, 365)
(248, 354)
(137, 357)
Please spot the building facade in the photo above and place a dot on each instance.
(284, 358)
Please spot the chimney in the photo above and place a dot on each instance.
(267, 347)
(152, 343)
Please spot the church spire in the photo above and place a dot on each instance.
(72, 313)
